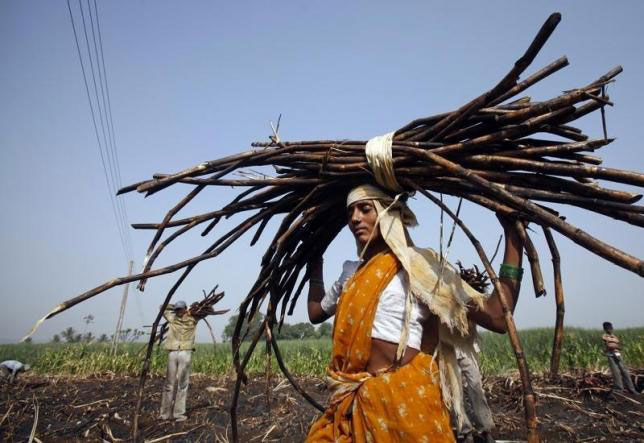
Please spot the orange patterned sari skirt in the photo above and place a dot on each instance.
(401, 405)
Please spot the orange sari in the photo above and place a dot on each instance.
(403, 405)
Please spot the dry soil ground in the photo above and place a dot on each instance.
(577, 407)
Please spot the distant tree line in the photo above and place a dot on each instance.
(71, 335)
(297, 331)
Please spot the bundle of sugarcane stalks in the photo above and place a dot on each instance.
(496, 151)
(204, 308)
(474, 277)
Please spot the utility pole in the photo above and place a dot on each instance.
(119, 323)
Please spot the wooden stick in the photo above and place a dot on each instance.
(577, 235)
(553, 67)
(240, 377)
(509, 81)
(523, 129)
(212, 335)
(267, 335)
(533, 258)
(528, 394)
(171, 213)
(557, 342)
(557, 184)
(208, 254)
(616, 175)
(557, 149)
(560, 197)
(291, 379)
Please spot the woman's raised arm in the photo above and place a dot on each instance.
(316, 292)
(491, 316)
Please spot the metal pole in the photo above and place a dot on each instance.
(119, 323)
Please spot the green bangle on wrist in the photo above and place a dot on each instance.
(511, 272)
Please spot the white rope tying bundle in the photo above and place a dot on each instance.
(380, 160)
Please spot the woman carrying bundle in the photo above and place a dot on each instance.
(400, 313)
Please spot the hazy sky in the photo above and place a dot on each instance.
(194, 81)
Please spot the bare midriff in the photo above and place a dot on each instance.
(383, 353)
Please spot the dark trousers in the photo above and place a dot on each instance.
(621, 376)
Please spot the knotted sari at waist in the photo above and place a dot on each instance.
(401, 405)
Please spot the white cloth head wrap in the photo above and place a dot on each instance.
(380, 159)
(370, 192)
(438, 287)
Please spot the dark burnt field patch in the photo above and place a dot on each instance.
(576, 408)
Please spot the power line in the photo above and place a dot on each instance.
(110, 190)
(111, 127)
(107, 89)
(103, 111)
(108, 102)
(109, 122)
(106, 143)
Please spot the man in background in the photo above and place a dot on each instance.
(621, 376)
(478, 416)
(179, 343)
(11, 368)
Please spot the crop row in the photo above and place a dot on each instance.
(582, 350)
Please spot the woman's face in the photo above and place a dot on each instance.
(361, 218)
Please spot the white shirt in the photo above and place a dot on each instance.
(12, 365)
(390, 313)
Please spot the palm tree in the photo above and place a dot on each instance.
(88, 337)
(70, 335)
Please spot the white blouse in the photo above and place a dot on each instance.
(390, 313)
